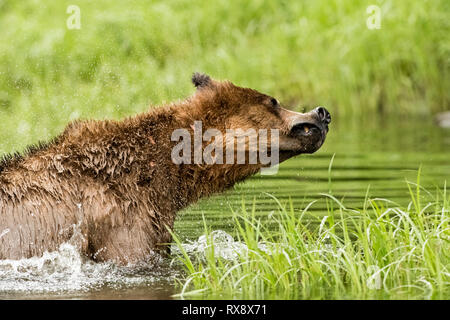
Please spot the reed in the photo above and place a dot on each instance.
(382, 251)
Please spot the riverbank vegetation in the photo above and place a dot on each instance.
(306, 53)
(382, 251)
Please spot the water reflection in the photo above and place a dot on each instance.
(375, 155)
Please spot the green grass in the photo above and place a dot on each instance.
(128, 56)
(382, 251)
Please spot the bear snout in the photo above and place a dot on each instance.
(324, 115)
(311, 124)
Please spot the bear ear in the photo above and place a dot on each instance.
(201, 80)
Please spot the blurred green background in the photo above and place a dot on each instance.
(129, 55)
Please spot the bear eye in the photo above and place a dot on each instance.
(274, 102)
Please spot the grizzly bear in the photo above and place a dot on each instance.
(113, 188)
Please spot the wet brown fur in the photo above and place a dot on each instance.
(111, 188)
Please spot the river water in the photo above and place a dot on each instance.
(374, 157)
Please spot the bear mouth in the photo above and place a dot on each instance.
(306, 129)
(311, 137)
(307, 135)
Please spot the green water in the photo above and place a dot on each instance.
(375, 157)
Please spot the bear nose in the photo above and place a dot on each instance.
(323, 114)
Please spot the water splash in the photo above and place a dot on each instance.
(65, 270)
(224, 246)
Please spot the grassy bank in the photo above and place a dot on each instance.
(127, 56)
(382, 251)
